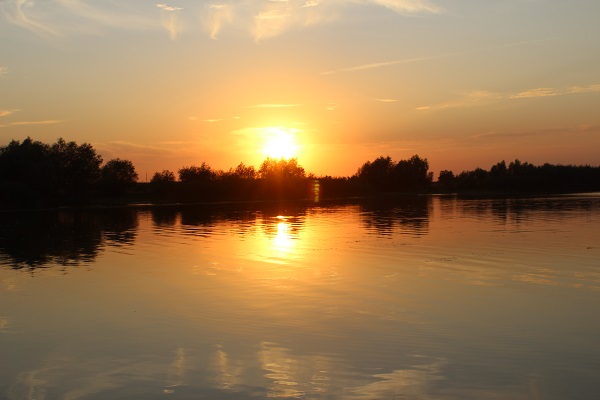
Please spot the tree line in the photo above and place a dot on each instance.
(518, 177)
(33, 173)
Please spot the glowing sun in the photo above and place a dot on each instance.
(280, 142)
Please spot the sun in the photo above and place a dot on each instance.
(280, 142)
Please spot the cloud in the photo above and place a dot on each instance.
(550, 92)
(170, 20)
(18, 123)
(264, 132)
(539, 92)
(465, 99)
(584, 89)
(407, 7)
(261, 18)
(23, 14)
(581, 129)
(53, 18)
(168, 8)
(271, 21)
(311, 3)
(3, 72)
(6, 113)
(268, 18)
(364, 67)
(218, 15)
(386, 100)
(481, 97)
(274, 105)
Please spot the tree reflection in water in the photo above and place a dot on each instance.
(67, 238)
(406, 215)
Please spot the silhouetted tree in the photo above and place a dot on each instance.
(499, 170)
(117, 175)
(163, 183)
(272, 168)
(446, 179)
(243, 172)
(164, 177)
(77, 167)
(200, 174)
(385, 175)
(26, 173)
(377, 173)
(411, 174)
(282, 179)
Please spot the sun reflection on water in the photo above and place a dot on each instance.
(283, 241)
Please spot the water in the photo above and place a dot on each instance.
(428, 298)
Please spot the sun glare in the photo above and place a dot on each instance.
(280, 142)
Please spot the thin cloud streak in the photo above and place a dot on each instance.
(481, 97)
(383, 64)
(274, 106)
(550, 92)
(170, 20)
(563, 130)
(6, 113)
(168, 8)
(56, 18)
(261, 18)
(408, 7)
(20, 123)
(539, 92)
(14, 12)
(218, 16)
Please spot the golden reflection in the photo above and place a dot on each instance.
(316, 186)
(283, 241)
(227, 373)
(176, 371)
(294, 376)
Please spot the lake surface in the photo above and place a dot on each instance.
(427, 298)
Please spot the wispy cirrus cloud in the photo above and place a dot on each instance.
(550, 92)
(170, 20)
(538, 92)
(3, 71)
(408, 6)
(581, 129)
(19, 123)
(63, 17)
(218, 15)
(6, 113)
(368, 66)
(22, 13)
(274, 105)
(465, 99)
(261, 18)
(168, 8)
(482, 97)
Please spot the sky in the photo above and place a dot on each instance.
(463, 83)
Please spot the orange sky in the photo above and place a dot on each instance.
(464, 84)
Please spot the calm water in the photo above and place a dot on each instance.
(431, 298)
